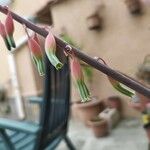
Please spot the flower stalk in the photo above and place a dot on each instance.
(106, 70)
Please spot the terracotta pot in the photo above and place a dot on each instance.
(99, 127)
(88, 110)
(114, 102)
(94, 22)
(111, 115)
(134, 6)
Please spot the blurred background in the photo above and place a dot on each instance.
(116, 30)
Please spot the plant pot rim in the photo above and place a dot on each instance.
(96, 123)
(88, 104)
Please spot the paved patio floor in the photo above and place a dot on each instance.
(128, 135)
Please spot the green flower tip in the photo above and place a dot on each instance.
(59, 66)
(41, 73)
(85, 100)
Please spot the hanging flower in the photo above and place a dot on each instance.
(78, 78)
(37, 56)
(118, 86)
(9, 26)
(36, 53)
(50, 49)
(4, 35)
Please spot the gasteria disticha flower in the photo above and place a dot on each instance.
(50, 49)
(118, 86)
(121, 88)
(4, 35)
(9, 26)
(37, 56)
(78, 78)
(36, 53)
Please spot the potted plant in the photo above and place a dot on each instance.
(111, 115)
(99, 126)
(86, 111)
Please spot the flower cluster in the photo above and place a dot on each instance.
(37, 53)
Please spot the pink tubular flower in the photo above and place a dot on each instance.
(50, 49)
(121, 88)
(36, 53)
(118, 86)
(37, 56)
(4, 35)
(9, 26)
(78, 78)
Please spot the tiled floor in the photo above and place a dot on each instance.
(128, 135)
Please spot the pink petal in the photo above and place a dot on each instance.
(50, 43)
(35, 47)
(9, 24)
(76, 70)
(2, 30)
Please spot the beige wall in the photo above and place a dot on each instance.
(27, 75)
(123, 42)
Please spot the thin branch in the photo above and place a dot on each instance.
(92, 62)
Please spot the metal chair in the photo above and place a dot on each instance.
(53, 122)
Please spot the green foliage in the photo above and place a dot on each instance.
(88, 71)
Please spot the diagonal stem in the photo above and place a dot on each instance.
(92, 62)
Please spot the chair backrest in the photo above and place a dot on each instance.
(55, 111)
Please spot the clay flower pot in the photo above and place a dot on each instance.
(99, 126)
(88, 110)
(134, 6)
(114, 102)
(111, 115)
(94, 22)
